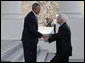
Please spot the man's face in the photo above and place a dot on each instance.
(37, 10)
(59, 20)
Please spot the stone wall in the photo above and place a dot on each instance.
(49, 10)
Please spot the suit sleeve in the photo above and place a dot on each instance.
(32, 29)
(59, 35)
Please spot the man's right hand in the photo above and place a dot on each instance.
(45, 38)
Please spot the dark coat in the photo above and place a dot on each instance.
(30, 37)
(30, 31)
(63, 40)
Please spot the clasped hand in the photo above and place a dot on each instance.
(45, 37)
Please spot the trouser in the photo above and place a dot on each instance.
(30, 51)
(59, 58)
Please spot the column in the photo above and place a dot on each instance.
(76, 23)
(11, 20)
(71, 8)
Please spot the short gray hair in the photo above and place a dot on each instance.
(64, 17)
(35, 5)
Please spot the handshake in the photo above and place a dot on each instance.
(45, 37)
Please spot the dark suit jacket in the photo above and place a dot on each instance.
(30, 31)
(63, 40)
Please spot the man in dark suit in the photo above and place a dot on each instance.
(30, 34)
(63, 41)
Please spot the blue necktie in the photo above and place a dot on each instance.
(37, 19)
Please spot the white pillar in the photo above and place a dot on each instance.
(71, 8)
(11, 20)
(10, 7)
(76, 23)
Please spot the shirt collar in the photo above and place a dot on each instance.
(35, 14)
(62, 23)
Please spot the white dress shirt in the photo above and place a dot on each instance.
(35, 14)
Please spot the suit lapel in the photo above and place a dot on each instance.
(35, 17)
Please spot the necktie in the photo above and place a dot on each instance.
(37, 19)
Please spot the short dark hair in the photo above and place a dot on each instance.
(35, 5)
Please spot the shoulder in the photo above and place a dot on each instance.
(30, 15)
(65, 27)
(29, 18)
